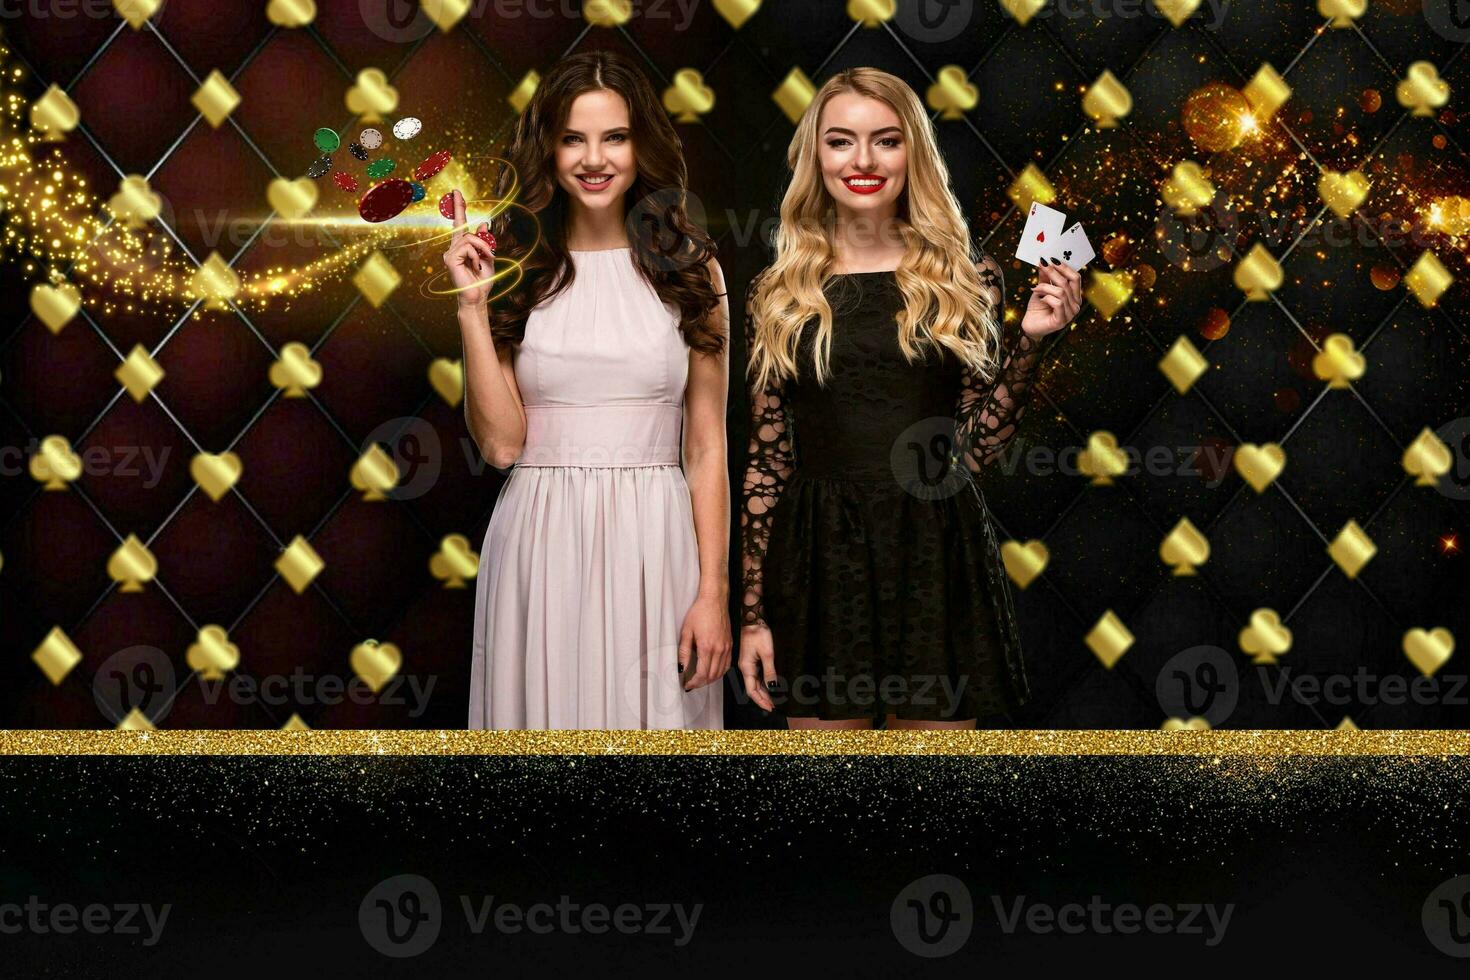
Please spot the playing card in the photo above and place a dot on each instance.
(1043, 227)
(1073, 248)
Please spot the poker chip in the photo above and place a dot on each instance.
(385, 200)
(446, 205)
(320, 167)
(418, 191)
(407, 128)
(327, 140)
(432, 165)
(485, 236)
(345, 181)
(380, 167)
(370, 139)
(356, 149)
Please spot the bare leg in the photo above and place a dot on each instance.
(822, 723)
(896, 722)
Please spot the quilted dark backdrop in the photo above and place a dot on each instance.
(1015, 100)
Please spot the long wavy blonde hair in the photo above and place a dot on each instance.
(945, 305)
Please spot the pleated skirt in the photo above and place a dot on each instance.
(586, 574)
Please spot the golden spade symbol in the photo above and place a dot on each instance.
(1187, 189)
(1186, 548)
(1422, 90)
(55, 305)
(372, 97)
(1342, 12)
(291, 199)
(688, 98)
(447, 378)
(1259, 465)
(1102, 459)
(374, 473)
(1338, 362)
(1266, 638)
(952, 94)
(1428, 649)
(56, 464)
(215, 283)
(55, 115)
(1024, 561)
(1107, 100)
(291, 13)
(1427, 458)
(1178, 11)
(375, 663)
(1258, 274)
(216, 474)
(1192, 724)
(1344, 192)
(454, 562)
(131, 565)
(737, 12)
(213, 654)
(295, 371)
(135, 203)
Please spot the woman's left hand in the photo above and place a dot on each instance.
(1055, 299)
(705, 636)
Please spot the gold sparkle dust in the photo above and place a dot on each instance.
(1025, 742)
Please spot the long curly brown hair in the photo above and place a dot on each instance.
(668, 249)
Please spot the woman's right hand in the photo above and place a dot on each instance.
(470, 260)
(758, 657)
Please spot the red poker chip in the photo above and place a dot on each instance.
(485, 236)
(431, 166)
(446, 205)
(345, 181)
(385, 200)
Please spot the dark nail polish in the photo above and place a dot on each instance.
(1043, 260)
(771, 685)
(681, 668)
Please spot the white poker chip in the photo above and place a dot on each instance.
(406, 128)
(370, 139)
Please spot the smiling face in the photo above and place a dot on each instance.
(862, 153)
(594, 153)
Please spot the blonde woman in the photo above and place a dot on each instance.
(883, 377)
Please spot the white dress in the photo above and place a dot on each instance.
(590, 562)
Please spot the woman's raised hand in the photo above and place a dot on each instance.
(470, 260)
(1055, 299)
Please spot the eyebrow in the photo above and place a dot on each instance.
(615, 129)
(885, 129)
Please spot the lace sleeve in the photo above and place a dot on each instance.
(989, 414)
(771, 458)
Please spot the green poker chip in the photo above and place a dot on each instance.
(327, 140)
(381, 167)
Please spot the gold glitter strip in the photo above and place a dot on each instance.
(1024, 742)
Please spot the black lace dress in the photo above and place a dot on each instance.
(868, 550)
